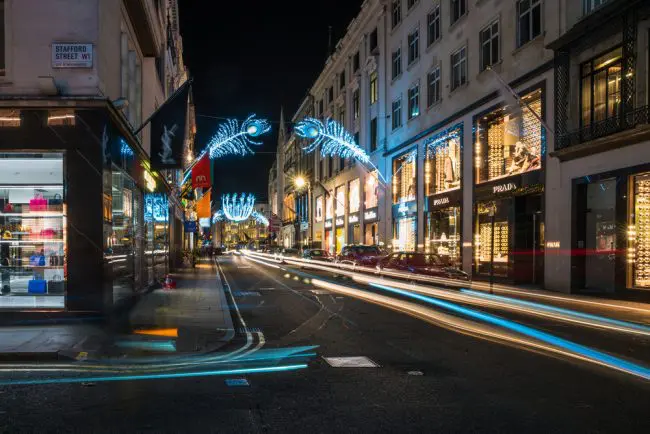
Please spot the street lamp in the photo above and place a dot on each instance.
(301, 182)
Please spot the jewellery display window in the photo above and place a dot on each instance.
(639, 232)
(509, 140)
(405, 234)
(442, 234)
(33, 265)
(485, 253)
(404, 177)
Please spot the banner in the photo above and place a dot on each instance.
(168, 131)
(201, 173)
(203, 209)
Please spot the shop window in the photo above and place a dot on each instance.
(61, 117)
(289, 212)
(318, 212)
(442, 162)
(340, 200)
(509, 140)
(329, 207)
(639, 233)
(404, 234)
(442, 234)
(492, 226)
(33, 263)
(371, 190)
(121, 245)
(404, 178)
(355, 195)
(601, 87)
(10, 118)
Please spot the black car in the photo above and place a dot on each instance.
(363, 255)
(317, 255)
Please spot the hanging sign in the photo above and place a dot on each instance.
(370, 215)
(190, 226)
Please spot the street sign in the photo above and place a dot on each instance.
(190, 226)
(72, 55)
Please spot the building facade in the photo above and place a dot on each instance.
(597, 234)
(85, 221)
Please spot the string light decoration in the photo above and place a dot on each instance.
(333, 140)
(125, 149)
(237, 208)
(218, 216)
(261, 219)
(233, 139)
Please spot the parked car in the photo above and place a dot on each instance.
(427, 264)
(363, 255)
(317, 255)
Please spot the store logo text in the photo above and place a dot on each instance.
(502, 188)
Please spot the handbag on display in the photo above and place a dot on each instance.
(38, 203)
(56, 285)
(37, 286)
(56, 200)
(8, 207)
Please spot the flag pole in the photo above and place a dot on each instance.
(174, 95)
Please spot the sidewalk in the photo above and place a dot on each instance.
(193, 317)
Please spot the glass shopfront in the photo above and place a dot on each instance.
(156, 217)
(509, 140)
(339, 221)
(404, 202)
(33, 231)
(354, 205)
(442, 234)
(125, 225)
(442, 162)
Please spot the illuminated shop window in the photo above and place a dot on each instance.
(329, 207)
(404, 177)
(639, 233)
(370, 189)
(318, 212)
(340, 200)
(10, 118)
(442, 162)
(61, 117)
(355, 195)
(509, 140)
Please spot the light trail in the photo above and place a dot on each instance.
(485, 300)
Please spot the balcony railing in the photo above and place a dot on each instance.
(597, 130)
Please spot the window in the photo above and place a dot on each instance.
(410, 4)
(10, 118)
(371, 190)
(356, 63)
(330, 166)
(396, 11)
(321, 107)
(509, 142)
(458, 68)
(340, 201)
(342, 80)
(355, 104)
(414, 101)
(404, 176)
(458, 9)
(414, 46)
(355, 195)
(601, 87)
(433, 87)
(329, 207)
(489, 39)
(442, 162)
(61, 117)
(374, 88)
(373, 41)
(2, 37)
(588, 6)
(342, 115)
(529, 14)
(373, 134)
(34, 242)
(321, 169)
(330, 94)
(433, 25)
(397, 63)
(318, 211)
(397, 114)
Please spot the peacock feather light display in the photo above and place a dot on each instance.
(234, 139)
(260, 218)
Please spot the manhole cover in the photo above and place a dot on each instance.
(351, 362)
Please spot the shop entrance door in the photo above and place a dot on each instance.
(600, 261)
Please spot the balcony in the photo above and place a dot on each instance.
(615, 132)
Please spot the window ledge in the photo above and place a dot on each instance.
(459, 20)
(434, 43)
(496, 67)
(459, 88)
(435, 105)
(397, 26)
(408, 121)
(412, 64)
(533, 41)
(393, 80)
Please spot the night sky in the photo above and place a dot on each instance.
(253, 57)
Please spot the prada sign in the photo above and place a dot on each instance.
(444, 200)
(371, 215)
(504, 188)
(405, 209)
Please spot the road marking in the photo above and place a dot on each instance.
(416, 373)
(319, 291)
(237, 382)
(351, 362)
(250, 330)
(246, 294)
(266, 289)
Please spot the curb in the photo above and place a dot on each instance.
(230, 334)
(34, 356)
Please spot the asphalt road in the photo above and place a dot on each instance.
(428, 378)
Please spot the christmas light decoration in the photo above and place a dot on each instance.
(156, 208)
(218, 216)
(233, 139)
(125, 149)
(261, 219)
(332, 138)
(237, 208)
